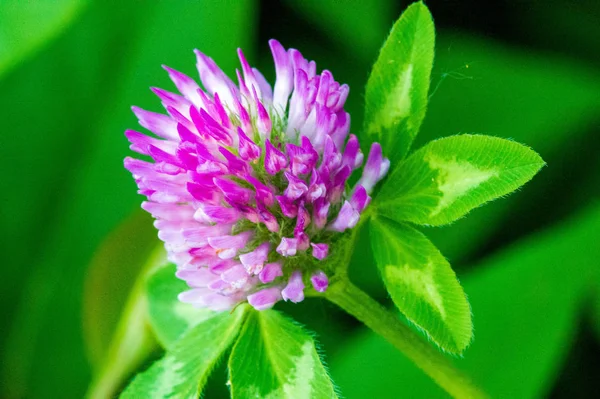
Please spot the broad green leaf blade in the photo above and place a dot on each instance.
(397, 89)
(169, 317)
(27, 25)
(444, 180)
(526, 302)
(183, 371)
(422, 284)
(276, 358)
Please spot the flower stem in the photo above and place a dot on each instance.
(385, 323)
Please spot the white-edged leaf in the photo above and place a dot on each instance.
(275, 358)
(183, 371)
(422, 284)
(169, 317)
(445, 179)
(397, 89)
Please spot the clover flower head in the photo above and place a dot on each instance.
(249, 182)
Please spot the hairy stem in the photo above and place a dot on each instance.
(385, 323)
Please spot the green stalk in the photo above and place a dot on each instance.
(133, 340)
(385, 323)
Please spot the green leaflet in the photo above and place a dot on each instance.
(476, 76)
(184, 369)
(169, 317)
(526, 301)
(447, 178)
(396, 92)
(422, 284)
(275, 358)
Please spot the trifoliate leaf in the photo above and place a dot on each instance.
(447, 178)
(422, 284)
(397, 89)
(183, 371)
(275, 358)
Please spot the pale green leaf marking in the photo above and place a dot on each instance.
(305, 364)
(422, 284)
(183, 371)
(447, 178)
(295, 387)
(166, 376)
(498, 95)
(397, 104)
(397, 90)
(275, 358)
(455, 179)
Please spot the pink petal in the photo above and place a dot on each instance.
(270, 272)
(265, 298)
(294, 290)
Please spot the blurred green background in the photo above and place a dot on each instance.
(527, 70)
